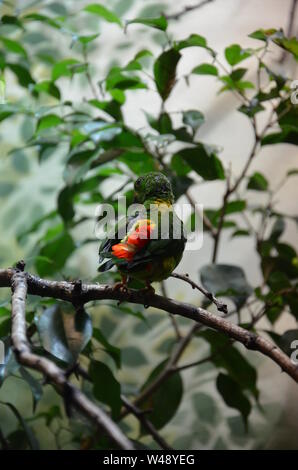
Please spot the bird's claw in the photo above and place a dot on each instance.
(120, 286)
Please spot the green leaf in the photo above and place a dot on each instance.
(50, 120)
(253, 108)
(227, 280)
(158, 23)
(165, 400)
(13, 46)
(233, 395)
(114, 352)
(103, 12)
(32, 441)
(235, 54)
(284, 341)
(67, 68)
(288, 44)
(292, 172)
(48, 87)
(9, 365)
(34, 385)
(63, 332)
(235, 206)
(258, 182)
(205, 407)
(205, 69)
(287, 136)
(133, 357)
(194, 119)
(228, 357)
(106, 388)
(208, 166)
(194, 40)
(240, 233)
(165, 72)
(22, 73)
(277, 229)
(263, 34)
(179, 166)
(87, 38)
(42, 19)
(57, 251)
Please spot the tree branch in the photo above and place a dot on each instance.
(221, 307)
(53, 374)
(66, 291)
(187, 9)
(140, 415)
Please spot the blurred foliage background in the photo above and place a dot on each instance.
(90, 101)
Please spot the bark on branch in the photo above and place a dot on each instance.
(72, 395)
(88, 292)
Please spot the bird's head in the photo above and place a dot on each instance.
(153, 186)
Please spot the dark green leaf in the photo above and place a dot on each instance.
(277, 229)
(63, 332)
(34, 385)
(205, 407)
(114, 352)
(158, 23)
(285, 341)
(57, 251)
(106, 388)
(8, 365)
(263, 34)
(13, 46)
(165, 72)
(22, 73)
(50, 120)
(228, 357)
(103, 12)
(165, 400)
(240, 233)
(258, 182)
(226, 280)
(235, 206)
(205, 69)
(33, 443)
(233, 395)
(194, 40)
(253, 108)
(235, 54)
(48, 87)
(67, 68)
(133, 357)
(286, 136)
(205, 164)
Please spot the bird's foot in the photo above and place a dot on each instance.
(149, 289)
(121, 286)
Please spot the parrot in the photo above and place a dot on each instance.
(155, 238)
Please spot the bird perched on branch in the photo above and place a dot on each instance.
(154, 242)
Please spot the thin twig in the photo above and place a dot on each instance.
(187, 9)
(221, 307)
(140, 415)
(206, 219)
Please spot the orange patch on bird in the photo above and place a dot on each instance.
(136, 240)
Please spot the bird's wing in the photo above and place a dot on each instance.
(106, 258)
(146, 240)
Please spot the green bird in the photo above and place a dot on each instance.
(155, 240)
